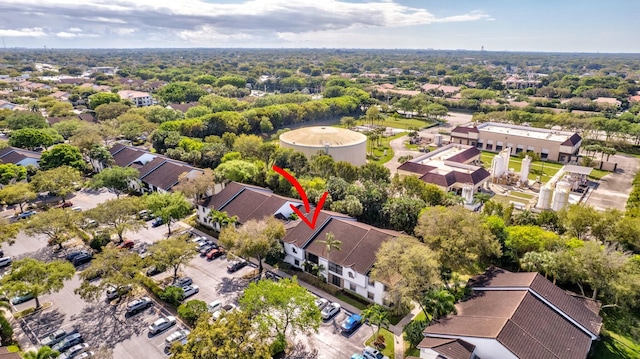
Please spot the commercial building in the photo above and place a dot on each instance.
(452, 168)
(139, 98)
(552, 145)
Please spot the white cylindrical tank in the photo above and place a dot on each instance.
(544, 198)
(560, 199)
(506, 156)
(467, 194)
(563, 186)
(526, 168)
(437, 139)
(497, 166)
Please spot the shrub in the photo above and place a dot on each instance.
(413, 332)
(172, 295)
(151, 285)
(279, 345)
(6, 332)
(192, 310)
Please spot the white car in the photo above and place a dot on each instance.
(183, 282)
(85, 355)
(5, 261)
(330, 310)
(190, 290)
(227, 308)
(198, 240)
(214, 306)
(74, 351)
(162, 324)
(139, 304)
(371, 353)
(177, 336)
(321, 303)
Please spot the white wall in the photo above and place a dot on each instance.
(485, 348)
(292, 253)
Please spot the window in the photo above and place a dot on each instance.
(335, 268)
(490, 147)
(499, 146)
(312, 258)
(519, 149)
(479, 145)
(337, 281)
(370, 295)
(351, 275)
(296, 262)
(370, 282)
(352, 287)
(294, 250)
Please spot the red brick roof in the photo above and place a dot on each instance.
(465, 130)
(449, 348)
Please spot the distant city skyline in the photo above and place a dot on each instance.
(541, 26)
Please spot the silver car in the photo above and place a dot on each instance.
(162, 324)
(330, 310)
(177, 336)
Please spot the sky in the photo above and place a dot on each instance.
(497, 25)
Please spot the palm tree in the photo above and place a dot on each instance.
(376, 315)
(331, 244)
(438, 302)
(222, 218)
(43, 353)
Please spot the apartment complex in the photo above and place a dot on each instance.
(552, 145)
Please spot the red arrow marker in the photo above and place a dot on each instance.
(305, 200)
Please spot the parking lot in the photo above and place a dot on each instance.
(104, 324)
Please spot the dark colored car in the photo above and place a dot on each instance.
(153, 270)
(66, 204)
(71, 256)
(205, 249)
(157, 222)
(26, 215)
(352, 323)
(82, 259)
(236, 265)
(126, 244)
(215, 253)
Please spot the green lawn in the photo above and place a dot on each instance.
(520, 195)
(598, 174)
(389, 340)
(506, 199)
(402, 123)
(615, 346)
(378, 151)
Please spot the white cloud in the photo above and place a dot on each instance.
(75, 29)
(25, 32)
(66, 34)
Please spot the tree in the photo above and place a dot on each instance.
(110, 111)
(376, 315)
(408, 267)
(58, 224)
(192, 310)
(330, 244)
(60, 180)
(236, 337)
(523, 239)
(119, 214)
(437, 302)
(44, 352)
(117, 269)
(348, 121)
(62, 155)
(19, 193)
(248, 146)
(168, 206)
(402, 213)
(283, 306)
(349, 205)
(222, 219)
(462, 240)
(172, 253)
(70, 127)
(101, 98)
(374, 172)
(578, 219)
(180, 92)
(61, 109)
(30, 138)
(25, 119)
(414, 332)
(197, 186)
(116, 179)
(254, 238)
(31, 276)
(435, 111)
(237, 170)
(9, 231)
(10, 173)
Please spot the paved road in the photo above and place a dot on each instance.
(613, 189)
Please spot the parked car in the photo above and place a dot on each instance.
(177, 336)
(271, 276)
(330, 310)
(153, 270)
(82, 259)
(85, 355)
(138, 305)
(162, 324)
(214, 306)
(74, 351)
(157, 222)
(21, 298)
(189, 290)
(146, 215)
(352, 323)
(77, 209)
(5, 261)
(113, 292)
(26, 215)
(205, 249)
(357, 356)
(55, 337)
(236, 265)
(66, 204)
(126, 244)
(321, 303)
(225, 309)
(371, 353)
(89, 223)
(71, 256)
(183, 282)
(198, 239)
(68, 342)
(215, 253)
